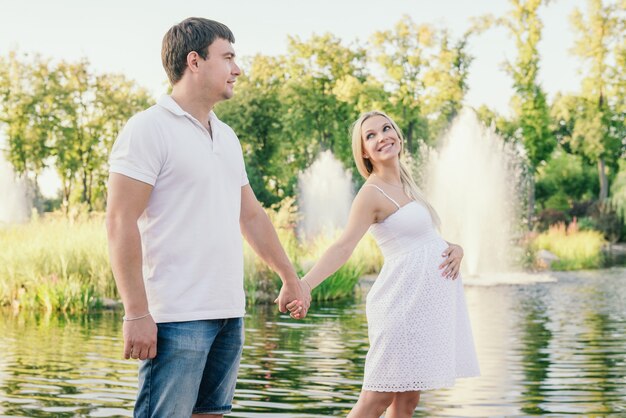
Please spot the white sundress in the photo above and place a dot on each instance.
(419, 329)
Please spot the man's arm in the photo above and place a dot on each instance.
(258, 230)
(127, 199)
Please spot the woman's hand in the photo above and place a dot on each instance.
(452, 264)
(299, 308)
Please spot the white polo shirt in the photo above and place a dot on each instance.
(190, 234)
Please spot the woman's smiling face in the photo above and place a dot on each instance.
(380, 140)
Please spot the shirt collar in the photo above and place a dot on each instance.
(170, 104)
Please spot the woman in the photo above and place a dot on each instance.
(418, 326)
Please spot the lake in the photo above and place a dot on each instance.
(552, 349)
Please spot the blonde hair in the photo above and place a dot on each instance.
(365, 167)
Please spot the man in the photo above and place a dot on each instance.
(178, 203)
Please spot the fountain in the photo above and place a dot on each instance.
(16, 200)
(325, 193)
(474, 182)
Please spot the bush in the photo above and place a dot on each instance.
(549, 217)
(563, 179)
(586, 224)
(580, 209)
(607, 220)
(576, 249)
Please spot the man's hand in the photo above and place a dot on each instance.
(294, 291)
(140, 339)
(296, 307)
(452, 264)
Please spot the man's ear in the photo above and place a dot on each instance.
(192, 60)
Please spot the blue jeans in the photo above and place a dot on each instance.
(194, 371)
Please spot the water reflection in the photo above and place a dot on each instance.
(64, 367)
(545, 349)
(535, 339)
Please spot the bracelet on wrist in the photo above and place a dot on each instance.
(125, 318)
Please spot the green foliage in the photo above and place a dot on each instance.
(340, 285)
(366, 258)
(607, 220)
(262, 285)
(425, 76)
(260, 282)
(315, 118)
(61, 264)
(506, 128)
(254, 113)
(576, 249)
(43, 266)
(598, 125)
(289, 108)
(551, 216)
(563, 180)
(446, 82)
(63, 115)
(590, 129)
(28, 95)
(586, 224)
(529, 104)
(618, 190)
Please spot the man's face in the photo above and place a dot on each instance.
(219, 71)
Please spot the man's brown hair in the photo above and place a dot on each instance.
(192, 34)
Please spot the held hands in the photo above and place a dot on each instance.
(452, 263)
(296, 307)
(296, 294)
(140, 338)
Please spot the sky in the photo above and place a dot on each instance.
(125, 36)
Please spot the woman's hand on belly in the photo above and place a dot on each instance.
(452, 261)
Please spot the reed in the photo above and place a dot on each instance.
(576, 249)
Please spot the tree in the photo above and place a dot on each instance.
(66, 116)
(564, 180)
(403, 53)
(315, 118)
(28, 91)
(116, 99)
(425, 75)
(255, 113)
(445, 82)
(92, 110)
(529, 104)
(598, 130)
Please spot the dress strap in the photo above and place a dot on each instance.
(383, 192)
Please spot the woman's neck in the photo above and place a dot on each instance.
(389, 173)
(390, 177)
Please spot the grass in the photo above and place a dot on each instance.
(61, 265)
(342, 283)
(262, 285)
(58, 264)
(55, 264)
(576, 249)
